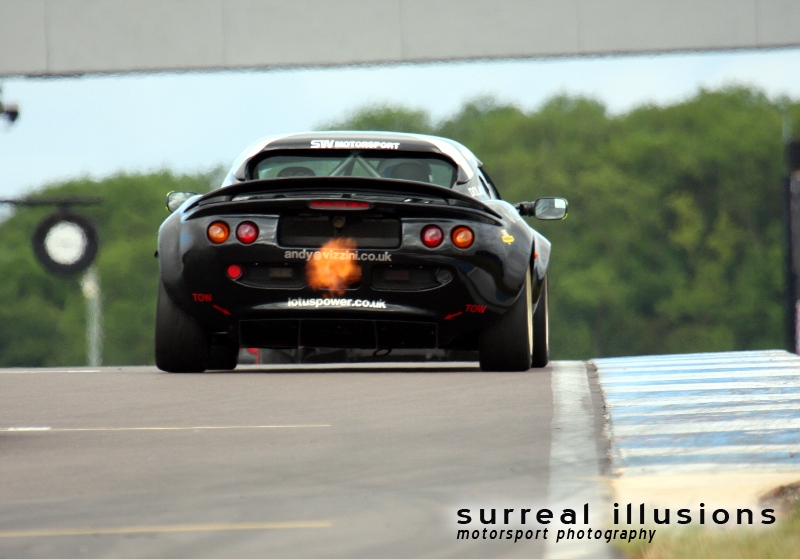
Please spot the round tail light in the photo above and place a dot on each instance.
(247, 232)
(432, 236)
(234, 271)
(218, 232)
(462, 237)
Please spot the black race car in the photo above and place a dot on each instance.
(369, 240)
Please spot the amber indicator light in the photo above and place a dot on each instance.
(463, 237)
(218, 232)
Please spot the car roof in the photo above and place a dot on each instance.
(378, 140)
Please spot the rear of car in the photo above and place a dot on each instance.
(378, 243)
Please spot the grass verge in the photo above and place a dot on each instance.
(781, 541)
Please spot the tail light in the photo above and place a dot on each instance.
(247, 232)
(432, 236)
(218, 232)
(462, 237)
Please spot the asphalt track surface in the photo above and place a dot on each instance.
(260, 462)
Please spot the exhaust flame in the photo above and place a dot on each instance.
(333, 268)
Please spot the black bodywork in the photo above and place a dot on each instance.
(409, 295)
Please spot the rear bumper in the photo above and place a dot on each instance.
(440, 317)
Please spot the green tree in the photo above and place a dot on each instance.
(384, 117)
(43, 317)
(675, 240)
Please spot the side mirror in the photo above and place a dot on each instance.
(544, 208)
(176, 199)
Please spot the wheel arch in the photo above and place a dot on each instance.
(540, 260)
(170, 262)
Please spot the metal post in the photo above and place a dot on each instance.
(788, 268)
(90, 285)
(793, 252)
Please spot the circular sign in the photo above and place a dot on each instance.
(65, 243)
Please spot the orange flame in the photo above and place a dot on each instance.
(333, 267)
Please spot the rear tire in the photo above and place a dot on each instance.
(181, 345)
(541, 330)
(506, 346)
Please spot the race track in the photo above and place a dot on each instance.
(311, 461)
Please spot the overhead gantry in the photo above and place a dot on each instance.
(72, 37)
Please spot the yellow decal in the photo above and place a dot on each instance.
(506, 237)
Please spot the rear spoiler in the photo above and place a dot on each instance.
(302, 189)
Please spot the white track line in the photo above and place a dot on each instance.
(682, 400)
(45, 371)
(789, 449)
(724, 357)
(670, 411)
(685, 427)
(730, 364)
(788, 374)
(574, 463)
(743, 385)
(198, 428)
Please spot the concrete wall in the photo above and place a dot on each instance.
(63, 37)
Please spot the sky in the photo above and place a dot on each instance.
(96, 126)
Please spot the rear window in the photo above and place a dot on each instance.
(357, 163)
